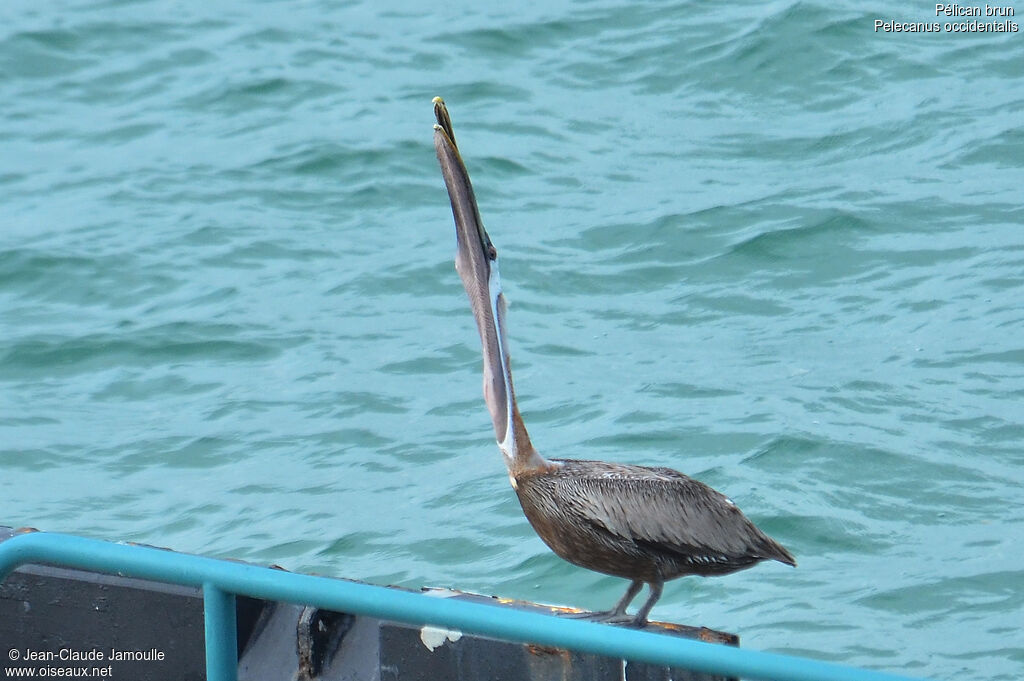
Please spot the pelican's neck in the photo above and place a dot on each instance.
(519, 453)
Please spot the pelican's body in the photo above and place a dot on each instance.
(647, 525)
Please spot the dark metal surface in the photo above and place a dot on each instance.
(405, 657)
(337, 647)
(48, 609)
(55, 613)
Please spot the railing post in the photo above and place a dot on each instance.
(221, 634)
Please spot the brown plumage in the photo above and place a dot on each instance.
(648, 525)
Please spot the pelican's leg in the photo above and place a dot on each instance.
(645, 610)
(620, 608)
(616, 614)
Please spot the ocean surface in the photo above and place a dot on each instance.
(758, 242)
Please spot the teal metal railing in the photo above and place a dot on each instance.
(222, 580)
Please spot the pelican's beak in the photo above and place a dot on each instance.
(476, 261)
(468, 224)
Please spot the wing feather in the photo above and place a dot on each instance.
(659, 507)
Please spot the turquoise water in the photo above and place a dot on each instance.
(757, 242)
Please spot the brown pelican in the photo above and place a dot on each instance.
(645, 524)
